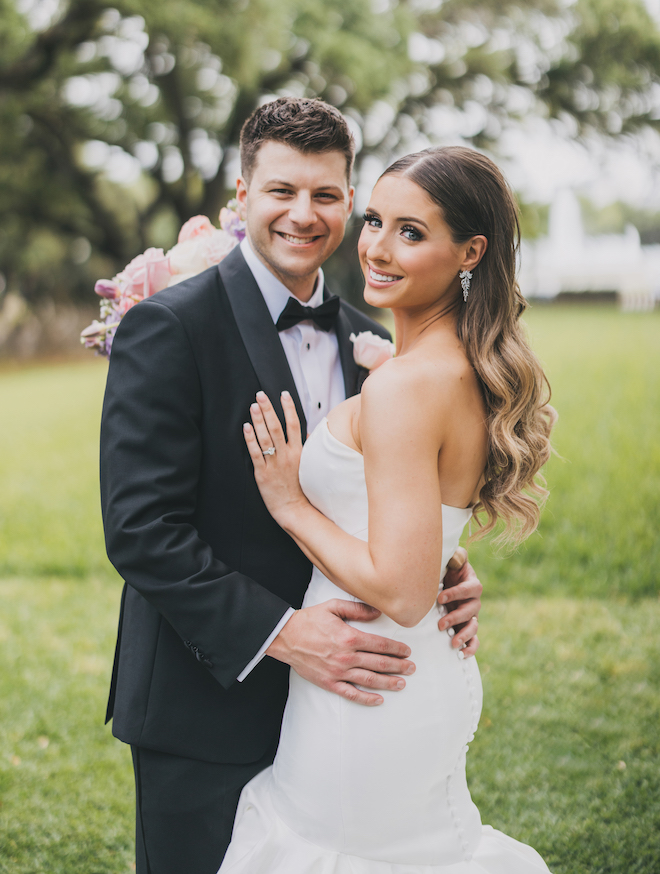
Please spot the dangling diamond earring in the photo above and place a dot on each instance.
(465, 276)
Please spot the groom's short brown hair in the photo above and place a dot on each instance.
(309, 125)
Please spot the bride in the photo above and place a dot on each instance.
(457, 423)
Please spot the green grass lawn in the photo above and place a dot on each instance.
(567, 754)
(600, 532)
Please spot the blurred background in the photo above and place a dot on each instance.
(119, 122)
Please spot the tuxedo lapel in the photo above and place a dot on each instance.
(350, 369)
(258, 333)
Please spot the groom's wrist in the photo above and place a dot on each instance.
(281, 647)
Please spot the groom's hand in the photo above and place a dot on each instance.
(322, 648)
(461, 595)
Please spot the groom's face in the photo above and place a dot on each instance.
(297, 206)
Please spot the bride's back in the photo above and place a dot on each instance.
(443, 384)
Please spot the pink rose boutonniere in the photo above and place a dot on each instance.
(370, 350)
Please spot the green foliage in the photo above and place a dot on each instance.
(160, 88)
(618, 45)
(588, 64)
(598, 533)
(569, 654)
(169, 84)
(533, 220)
(613, 218)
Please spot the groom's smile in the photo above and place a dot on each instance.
(298, 241)
(297, 206)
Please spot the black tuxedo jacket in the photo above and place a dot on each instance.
(208, 572)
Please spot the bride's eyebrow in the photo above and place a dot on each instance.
(413, 219)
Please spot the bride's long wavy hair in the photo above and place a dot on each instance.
(475, 199)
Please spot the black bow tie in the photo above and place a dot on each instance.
(324, 315)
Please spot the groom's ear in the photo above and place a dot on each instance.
(351, 197)
(241, 191)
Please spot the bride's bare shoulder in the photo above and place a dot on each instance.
(414, 380)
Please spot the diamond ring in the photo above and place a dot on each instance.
(270, 451)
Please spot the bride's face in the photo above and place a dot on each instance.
(406, 250)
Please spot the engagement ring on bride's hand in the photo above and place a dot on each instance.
(270, 451)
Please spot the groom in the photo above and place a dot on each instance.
(211, 580)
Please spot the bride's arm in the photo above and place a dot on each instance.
(398, 569)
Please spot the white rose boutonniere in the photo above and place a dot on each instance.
(370, 350)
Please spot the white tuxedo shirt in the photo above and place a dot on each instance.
(313, 356)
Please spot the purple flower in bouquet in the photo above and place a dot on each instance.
(107, 288)
(232, 220)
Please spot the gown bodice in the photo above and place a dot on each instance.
(332, 478)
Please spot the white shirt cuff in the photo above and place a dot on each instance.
(262, 652)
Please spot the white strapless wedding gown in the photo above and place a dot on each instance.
(373, 790)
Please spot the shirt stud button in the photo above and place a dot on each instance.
(308, 347)
(319, 405)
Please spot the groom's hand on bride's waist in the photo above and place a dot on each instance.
(461, 596)
(322, 648)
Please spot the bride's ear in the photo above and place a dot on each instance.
(475, 249)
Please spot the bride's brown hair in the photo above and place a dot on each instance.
(474, 199)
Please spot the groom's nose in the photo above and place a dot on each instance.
(302, 211)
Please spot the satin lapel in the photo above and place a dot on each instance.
(349, 367)
(259, 333)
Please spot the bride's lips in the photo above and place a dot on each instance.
(380, 279)
(298, 241)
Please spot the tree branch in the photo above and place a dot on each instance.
(75, 27)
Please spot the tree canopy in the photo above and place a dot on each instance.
(117, 123)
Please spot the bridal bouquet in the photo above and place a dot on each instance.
(200, 245)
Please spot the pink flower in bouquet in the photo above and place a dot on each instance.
(146, 274)
(370, 350)
(188, 258)
(197, 253)
(197, 226)
(219, 244)
(123, 304)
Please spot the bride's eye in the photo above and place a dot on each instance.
(411, 233)
(372, 220)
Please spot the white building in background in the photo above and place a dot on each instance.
(568, 260)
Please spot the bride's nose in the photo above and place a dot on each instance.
(377, 249)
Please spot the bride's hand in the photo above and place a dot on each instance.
(276, 458)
